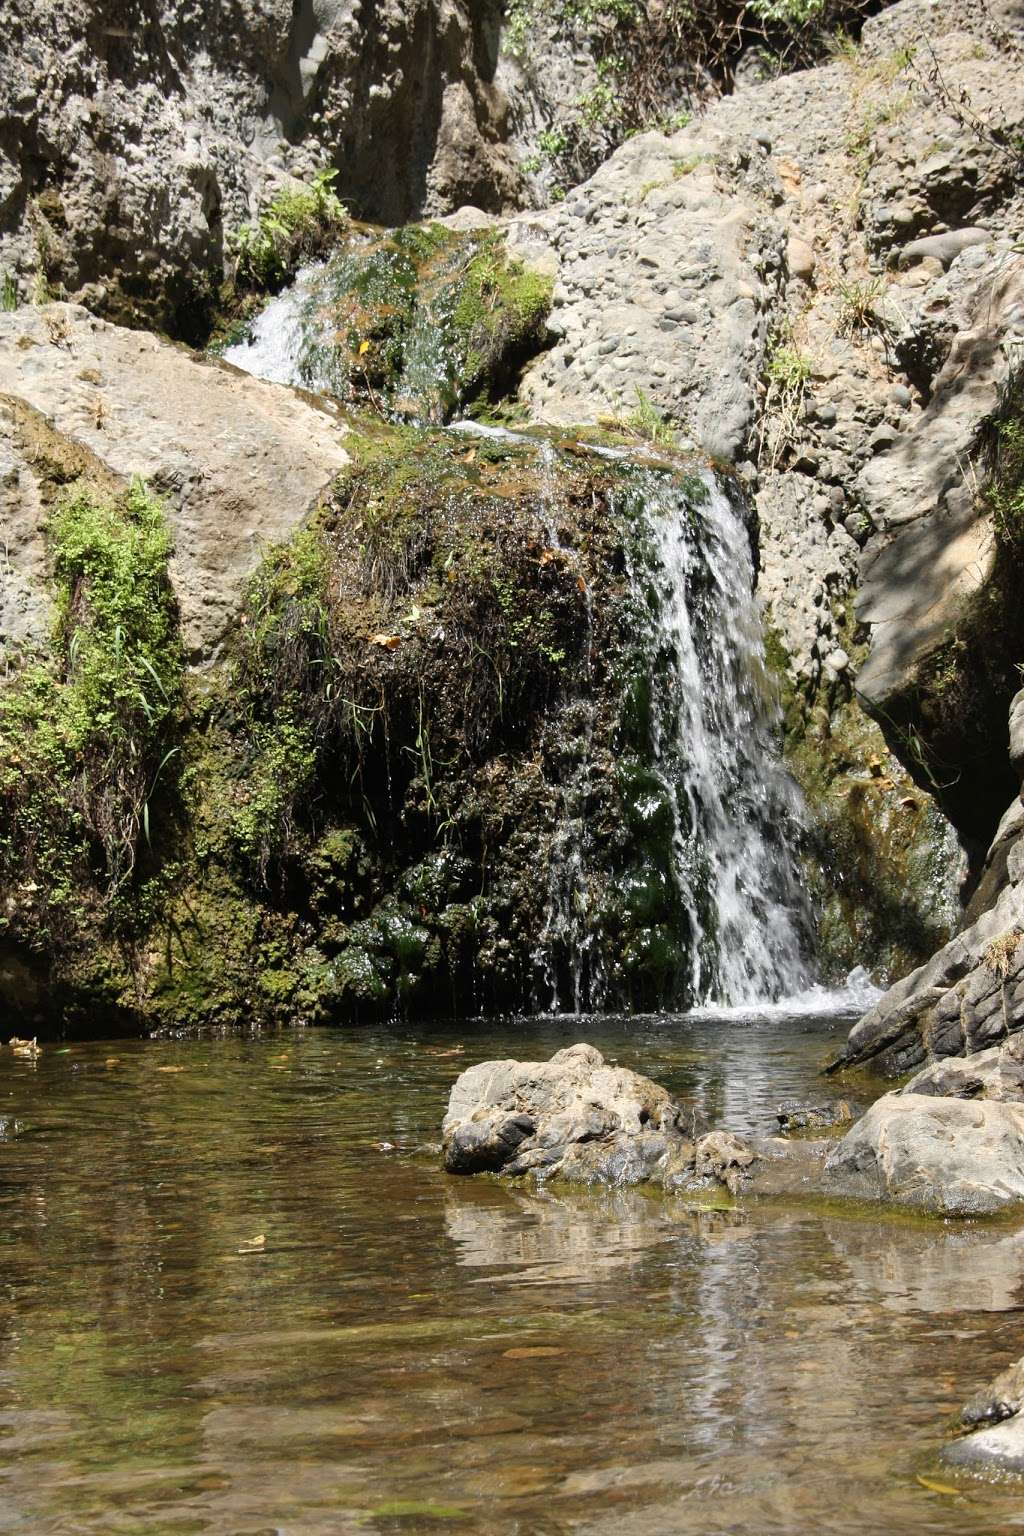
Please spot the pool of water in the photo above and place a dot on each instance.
(237, 1297)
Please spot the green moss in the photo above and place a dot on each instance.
(499, 318)
(87, 741)
(416, 322)
(876, 851)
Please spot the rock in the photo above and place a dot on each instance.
(942, 248)
(574, 1116)
(935, 546)
(1017, 734)
(240, 464)
(952, 1156)
(997, 1073)
(140, 155)
(816, 1117)
(970, 994)
(998, 1450)
(1001, 1399)
(800, 258)
(651, 284)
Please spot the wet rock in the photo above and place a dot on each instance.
(952, 1156)
(1000, 1399)
(816, 1117)
(999, 1449)
(575, 1116)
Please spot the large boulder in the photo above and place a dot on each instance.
(956, 1157)
(240, 464)
(580, 1119)
(574, 1115)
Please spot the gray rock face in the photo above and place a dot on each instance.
(953, 1156)
(1017, 733)
(574, 1116)
(667, 257)
(997, 1073)
(934, 547)
(129, 152)
(240, 464)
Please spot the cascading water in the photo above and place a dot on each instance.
(736, 810)
(362, 325)
(711, 760)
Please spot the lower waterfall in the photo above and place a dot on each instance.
(712, 766)
(706, 885)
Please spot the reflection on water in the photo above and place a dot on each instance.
(406, 1351)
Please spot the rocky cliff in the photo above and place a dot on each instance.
(816, 284)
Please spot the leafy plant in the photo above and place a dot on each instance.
(296, 222)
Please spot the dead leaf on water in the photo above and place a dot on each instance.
(29, 1048)
(170, 1069)
(112, 1061)
(934, 1486)
(254, 1244)
(532, 1352)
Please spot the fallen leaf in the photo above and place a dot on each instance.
(548, 555)
(364, 347)
(936, 1487)
(532, 1352)
(170, 1069)
(581, 584)
(112, 1061)
(386, 642)
(254, 1244)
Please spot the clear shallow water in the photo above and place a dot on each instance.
(413, 1352)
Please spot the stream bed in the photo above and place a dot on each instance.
(237, 1297)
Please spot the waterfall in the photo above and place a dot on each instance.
(711, 761)
(705, 894)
